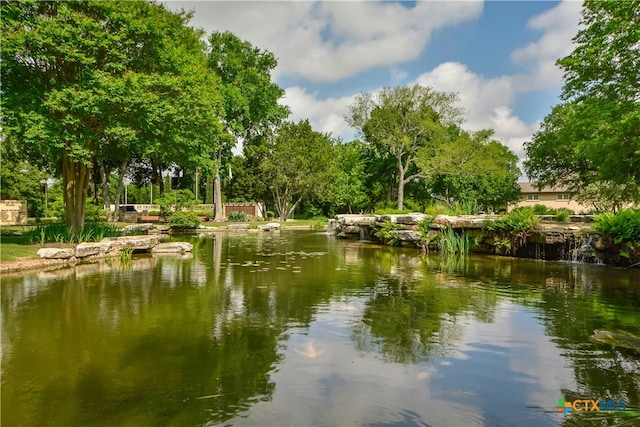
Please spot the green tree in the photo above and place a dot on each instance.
(350, 190)
(471, 168)
(593, 136)
(250, 97)
(84, 82)
(299, 165)
(403, 119)
(19, 180)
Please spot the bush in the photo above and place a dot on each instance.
(521, 219)
(511, 230)
(270, 214)
(562, 214)
(540, 209)
(386, 234)
(184, 220)
(237, 217)
(623, 226)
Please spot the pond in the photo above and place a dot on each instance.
(299, 328)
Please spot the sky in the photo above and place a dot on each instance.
(499, 56)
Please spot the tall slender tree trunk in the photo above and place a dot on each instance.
(75, 181)
(121, 171)
(105, 191)
(401, 173)
(217, 189)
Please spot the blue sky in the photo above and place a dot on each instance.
(499, 56)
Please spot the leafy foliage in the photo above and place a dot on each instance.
(386, 233)
(623, 226)
(86, 82)
(299, 165)
(184, 220)
(511, 230)
(592, 137)
(58, 232)
(237, 217)
(520, 219)
(400, 121)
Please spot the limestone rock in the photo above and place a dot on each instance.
(412, 218)
(172, 247)
(462, 221)
(238, 226)
(354, 219)
(84, 250)
(133, 228)
(407, 235)
(163, 228)
(270, 226)
(131, 242)
(56, 253)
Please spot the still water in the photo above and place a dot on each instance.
(299, 328)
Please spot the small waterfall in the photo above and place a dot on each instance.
(583, 250)
(365, 233)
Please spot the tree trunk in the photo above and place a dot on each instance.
(116, 208)
(105, 191)
(400, 183)
(217, 189)
(75, 181)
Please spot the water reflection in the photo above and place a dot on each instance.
(301, 329)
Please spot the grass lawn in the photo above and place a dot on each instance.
(14, 251)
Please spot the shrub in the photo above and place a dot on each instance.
(386, 234)
(540, 209)
(270, 214)
(237, 217)
(623, 226)
(562, 214)
(184, 220)
(518, 220)
(511, 230)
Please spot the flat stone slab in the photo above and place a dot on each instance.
(131, 242)
(407, 235)
(172, 247)
(56, 253)
(462, 221)
(238, 227)
(354, 219)
(137, 227)
(412, 218)
(270, 226)
(86, 249)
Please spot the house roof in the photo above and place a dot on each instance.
(528, 187)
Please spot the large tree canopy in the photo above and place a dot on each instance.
(299, 165)
(89, 81)
(402, 120)
(250, 97)
(471, 168)
(594, 135)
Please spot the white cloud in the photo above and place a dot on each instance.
(328, 41)
(486, 101)
(398, 75)
(360, 35)
(559, 25)
(325, 115)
